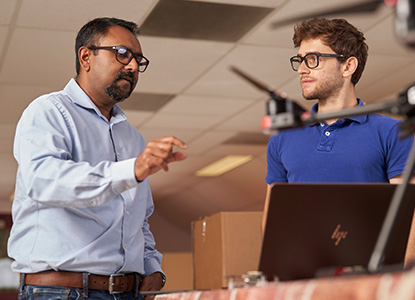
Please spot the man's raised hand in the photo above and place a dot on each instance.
(157, 155)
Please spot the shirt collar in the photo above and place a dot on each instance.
(79, 97)
(359, 119)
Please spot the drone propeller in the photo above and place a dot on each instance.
(363, 7)
(259, 85)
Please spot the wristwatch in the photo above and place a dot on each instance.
(163, 279)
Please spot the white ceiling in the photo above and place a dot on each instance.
(209, 104)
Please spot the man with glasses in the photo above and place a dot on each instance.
(331, 58)
(82, 197)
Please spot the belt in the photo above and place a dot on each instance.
(114, 283)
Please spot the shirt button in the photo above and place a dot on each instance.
(327, 133)
(125, 245)
(118, 153)
(127, 212)
(94, 202)
(322, 124)
(127, 187)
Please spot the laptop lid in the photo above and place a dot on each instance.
(312, 227)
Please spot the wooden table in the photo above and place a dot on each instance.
(388, 286)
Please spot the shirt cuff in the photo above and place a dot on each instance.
(152, 266)
(123, 175)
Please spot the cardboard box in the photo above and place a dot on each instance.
(225, 244)
(178, 267)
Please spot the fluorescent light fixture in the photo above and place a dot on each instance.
(223, 165)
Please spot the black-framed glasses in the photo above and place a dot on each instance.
(311, 60)
(125, 56)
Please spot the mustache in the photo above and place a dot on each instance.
(126, 75)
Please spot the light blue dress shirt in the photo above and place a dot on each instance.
(78, 206)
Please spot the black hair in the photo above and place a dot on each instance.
(94, 30)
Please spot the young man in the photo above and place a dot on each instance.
(82, 197)
(331, 58)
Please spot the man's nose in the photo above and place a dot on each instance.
(133, 66)
(303, 68)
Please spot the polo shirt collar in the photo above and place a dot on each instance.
(359, 119)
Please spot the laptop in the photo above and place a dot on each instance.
(313, 229)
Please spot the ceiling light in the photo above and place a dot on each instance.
(223, 165)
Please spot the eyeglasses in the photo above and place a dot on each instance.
(125, 56)
(311, 60)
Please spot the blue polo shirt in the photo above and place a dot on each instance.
(363, 148)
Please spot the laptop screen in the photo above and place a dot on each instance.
(315, 227)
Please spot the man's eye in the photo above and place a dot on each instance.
(312, 58)
(123, 53)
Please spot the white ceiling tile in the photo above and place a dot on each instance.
(185, 167)
(377, 43)
(47, 58)
(262, 157)
(15, 98)
(389, 86)
(292, 88)
(47, 14)
(364, 21)
(225, 196)
(204, 143)
(269, 65)
(175, 63)
(264, 3)
(266, 36)
(170, 178)
(250, 178)
(249, 120)
(136, 118)
(188, 104)
(7, 131)
(8, 171)
(3, 36)
(165, 184)
(183, 134)
(6, 11)
(282, 36)
(378, 66)
(5, 205)
(294, 92)
(222, 150)
(6, 137)
(6, 146)
(162, 120)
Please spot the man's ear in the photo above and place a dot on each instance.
(350, 66)
(84, 55)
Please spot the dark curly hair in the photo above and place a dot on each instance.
(92, 31)
(339, 35)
